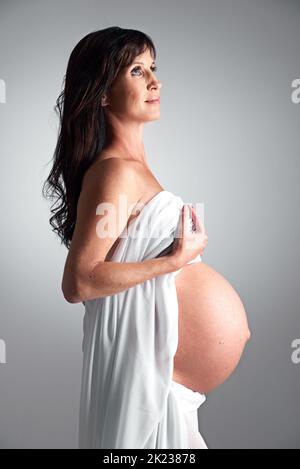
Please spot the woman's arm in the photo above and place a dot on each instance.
(109, 278)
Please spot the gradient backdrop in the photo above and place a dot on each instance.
(228, 136)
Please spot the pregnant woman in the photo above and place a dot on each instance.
(100, 166)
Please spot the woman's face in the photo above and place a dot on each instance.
(135, 85)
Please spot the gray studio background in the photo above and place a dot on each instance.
(228, 136)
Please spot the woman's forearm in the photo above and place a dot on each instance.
(109, 278)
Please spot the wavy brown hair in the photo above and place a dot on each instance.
(93, 66)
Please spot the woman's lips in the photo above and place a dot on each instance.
(155, 101)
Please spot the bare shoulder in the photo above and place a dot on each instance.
(112, 175)
(128, 177)
(110, 189)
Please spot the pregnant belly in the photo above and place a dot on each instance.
(212, 328)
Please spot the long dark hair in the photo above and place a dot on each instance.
(93, 66)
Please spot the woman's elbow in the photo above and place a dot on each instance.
(70, 292)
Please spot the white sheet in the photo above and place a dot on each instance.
(129, 342)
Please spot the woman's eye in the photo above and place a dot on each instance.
(153, 69)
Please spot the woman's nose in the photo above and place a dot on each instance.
(157, 83)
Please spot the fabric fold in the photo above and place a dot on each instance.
(129, 343)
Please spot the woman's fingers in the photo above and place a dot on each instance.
(186, 217)
(198, 222)
(189, 213)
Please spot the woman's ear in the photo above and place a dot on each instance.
(104, 101)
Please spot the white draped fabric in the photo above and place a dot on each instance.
(129, 341)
